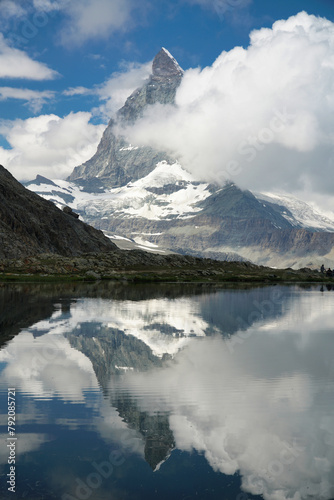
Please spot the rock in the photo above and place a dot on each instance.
(116, 162)
(68, 210)
(31, 225)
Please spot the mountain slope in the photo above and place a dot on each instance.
(31, 225)
(293, 209)
(168, 209)
(116, 162)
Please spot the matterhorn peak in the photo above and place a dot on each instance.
(164, 64)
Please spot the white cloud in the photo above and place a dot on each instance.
(90, 19)
(49, 145)
(9, 8)
(121, 84)
(77, 91)
(116, 89)
(16, 63)
(35, 99)
(255, 410)
(52, 146)
(262, 116)
(84, 20)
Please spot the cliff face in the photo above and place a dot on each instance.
(116, 162)
(31, 225)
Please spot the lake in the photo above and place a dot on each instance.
(176, 392)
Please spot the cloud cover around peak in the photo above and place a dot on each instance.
(261, 116)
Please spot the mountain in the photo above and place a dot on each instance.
(168, 209)
(116, 162)
(296, 210)
(31, 225)
(142, 196)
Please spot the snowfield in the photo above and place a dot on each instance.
(135, 199)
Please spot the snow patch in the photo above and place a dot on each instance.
(302, 213)
(129, 148)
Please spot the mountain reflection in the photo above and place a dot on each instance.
(244, 377)
(264, 408)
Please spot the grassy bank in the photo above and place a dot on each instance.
(140, 267)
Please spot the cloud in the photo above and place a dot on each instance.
(91, 19)
(52, 146)
(255, 410)
(116, 89)
(81, 21)
(16, 63)
(49, 145)
(77, 91)
(120, 85)
(9, 9)
(261, 117)
(35, 99)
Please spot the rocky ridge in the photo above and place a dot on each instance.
(116, 162)
(31, 225)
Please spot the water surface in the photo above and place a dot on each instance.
(163, 392)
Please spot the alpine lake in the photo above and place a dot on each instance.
(170, 392)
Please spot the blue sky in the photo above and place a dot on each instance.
(67, 65)
(194, 31)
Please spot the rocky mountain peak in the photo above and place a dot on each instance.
(116, 162)
(165, 65)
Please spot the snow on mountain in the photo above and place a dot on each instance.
(297, 212)
(136, 199)
(163, 175)
(168, 210)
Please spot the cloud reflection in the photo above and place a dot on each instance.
(266, 410)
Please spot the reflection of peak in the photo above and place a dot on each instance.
(155, 429)
(111, 351)
(164, 65)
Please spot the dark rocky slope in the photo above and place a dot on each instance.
(31, 225)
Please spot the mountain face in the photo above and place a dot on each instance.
(116, 162)
(168, 209)
(138, 194)
(31, 225)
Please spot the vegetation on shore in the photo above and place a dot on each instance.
(138, 266)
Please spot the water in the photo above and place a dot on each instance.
(160, 392)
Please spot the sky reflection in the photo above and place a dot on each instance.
(258, 401)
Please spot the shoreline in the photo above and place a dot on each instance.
(135, 266)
